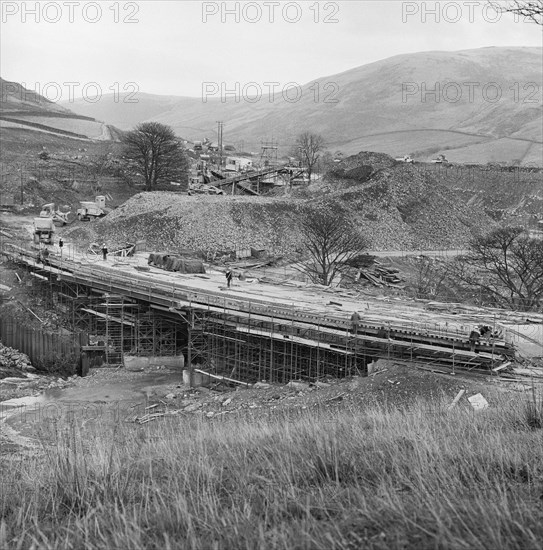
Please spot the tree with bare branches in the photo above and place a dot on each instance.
(330, 237)
(506, 266)
(527, 9)
(157, 152)
(308, 150)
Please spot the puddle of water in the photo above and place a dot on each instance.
(108, 401)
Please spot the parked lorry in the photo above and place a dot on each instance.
(43, 230)
(90, 210)
(51, 211)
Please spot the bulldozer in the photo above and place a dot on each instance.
(51, 211)
(90, 210)
(43, 230)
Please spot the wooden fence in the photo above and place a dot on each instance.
(44, 348)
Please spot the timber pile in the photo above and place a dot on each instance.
(381, 276)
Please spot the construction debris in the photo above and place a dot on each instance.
(13, 362)
(478, 402)
(457, 398)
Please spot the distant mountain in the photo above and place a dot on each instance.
(24, 109)
(480, 105)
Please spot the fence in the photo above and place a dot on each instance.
(43, 348)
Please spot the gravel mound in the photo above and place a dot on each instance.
(169, 221)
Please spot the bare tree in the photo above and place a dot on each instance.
(308, 150)
(157, 152)
(528, 9)
(429, 278)
(330, 237)
(506, 266)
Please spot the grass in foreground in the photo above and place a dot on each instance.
(382, 478)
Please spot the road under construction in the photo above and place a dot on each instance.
(254, 331)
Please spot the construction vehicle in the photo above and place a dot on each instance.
(91, 210)
(51, 211)
(406, 158)
(43, 230)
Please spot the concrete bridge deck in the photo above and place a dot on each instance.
(309, 316)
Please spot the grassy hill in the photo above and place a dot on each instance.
(76, 148)
(381, 106)
(25, 109)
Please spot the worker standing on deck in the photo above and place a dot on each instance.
(104, 252)
(228, 276)
(355, 319)
(474, 337)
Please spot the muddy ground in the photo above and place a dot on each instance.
(157, 394)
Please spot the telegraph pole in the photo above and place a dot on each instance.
(219, 132)
(22, 196)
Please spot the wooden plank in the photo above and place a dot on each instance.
(224, 378)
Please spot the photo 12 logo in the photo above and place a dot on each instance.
(270, 12)
(253, 92)
(470, 92)
(454, 12)
(55, 12)
(91, 92)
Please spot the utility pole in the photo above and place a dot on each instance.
(219, 132)
(22, 178)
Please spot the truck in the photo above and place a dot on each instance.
(90, 210)
(43, 230)
(51, 211)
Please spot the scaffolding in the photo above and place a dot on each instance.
(251, 348)
(248, 340)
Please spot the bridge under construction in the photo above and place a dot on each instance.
(252, 331)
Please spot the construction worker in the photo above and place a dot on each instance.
(474, 337)
(355, 319)
(104, 252)
(228, 276)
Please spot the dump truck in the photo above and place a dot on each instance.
(43, 230)
(90, 210)
(51, 211)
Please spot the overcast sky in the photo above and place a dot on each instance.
(172, 47)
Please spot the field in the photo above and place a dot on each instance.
(422, 144)
(91, 129)
(345, 473)
(500, 150)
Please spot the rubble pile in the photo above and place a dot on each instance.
(504, 193)
(169, 221)
(14, 363)
(403, 207)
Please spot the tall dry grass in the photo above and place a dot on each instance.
(379, 478)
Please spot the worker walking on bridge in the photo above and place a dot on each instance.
(104, 252)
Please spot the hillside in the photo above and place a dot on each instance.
(396, 206)
(23, 109)
(365, 109)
